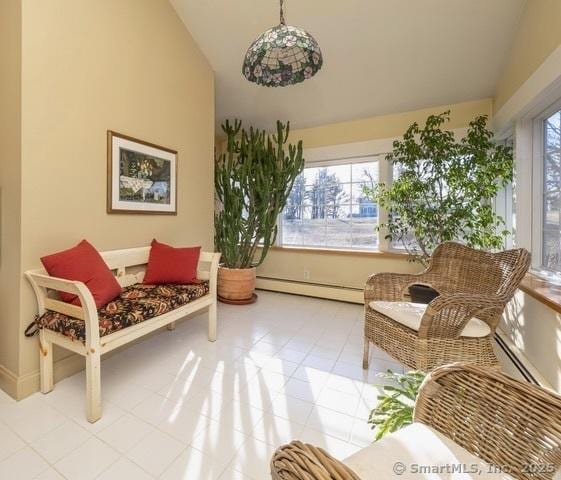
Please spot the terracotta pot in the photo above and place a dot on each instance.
(236, 285)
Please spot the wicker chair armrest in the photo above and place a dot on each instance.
(391, 286)
(447, 315)
(302, 461)
(512, 424)
(468, 300)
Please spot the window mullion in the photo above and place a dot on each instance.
(384, 176)
(538, 194)
(278, 240)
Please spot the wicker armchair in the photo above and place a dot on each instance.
(474, 288)
(513, 426)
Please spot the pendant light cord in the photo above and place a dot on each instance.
(282, 22)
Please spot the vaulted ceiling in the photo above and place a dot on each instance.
(380, 56)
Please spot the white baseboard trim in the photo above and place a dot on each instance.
(519, 360)
(25, 385)
(65, 367)
(8, 381)
(329, 292)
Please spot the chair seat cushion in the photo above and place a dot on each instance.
(410, 314)
(417, 447)
(136, 304)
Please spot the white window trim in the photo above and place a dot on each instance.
(345, 153)
(529, 159)
(503, 204)
(356, 160)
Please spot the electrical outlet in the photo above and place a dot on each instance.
(306, 274)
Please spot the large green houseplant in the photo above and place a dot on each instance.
(253, 177)
(444, 187)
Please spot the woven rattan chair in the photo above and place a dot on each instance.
(458, 325)
(513, 427)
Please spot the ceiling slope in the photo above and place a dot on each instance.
(381, 56)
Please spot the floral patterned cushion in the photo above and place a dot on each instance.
(136, 304)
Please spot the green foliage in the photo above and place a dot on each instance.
(395, 406)
(445, 187)
(252, 179)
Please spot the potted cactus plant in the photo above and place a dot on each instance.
(253, 178)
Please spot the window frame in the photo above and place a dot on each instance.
(336, 154)
(332, 155)
(504, 202)
(379, 158)
(528, 189)
(538, 192)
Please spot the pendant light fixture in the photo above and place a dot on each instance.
(281, 56)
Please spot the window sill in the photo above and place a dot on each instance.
(545, 292)
(342, 252)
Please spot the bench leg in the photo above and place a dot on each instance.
(171, 326)
(212, 322)
(45, 363)
(366, 354)
(93, 386)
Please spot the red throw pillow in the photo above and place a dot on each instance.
(167, 264)
(83, 263)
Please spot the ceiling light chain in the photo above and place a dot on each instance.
(281, 56)
(282, 21)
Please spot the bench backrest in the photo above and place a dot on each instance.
(122, 261)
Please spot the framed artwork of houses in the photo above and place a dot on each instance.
(141, 176)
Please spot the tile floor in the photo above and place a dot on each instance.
(179, 407)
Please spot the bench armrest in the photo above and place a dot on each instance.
(42, 283)
(505, 422)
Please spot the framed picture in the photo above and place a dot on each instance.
(141, 176)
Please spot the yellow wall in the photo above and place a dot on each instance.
(124, 65)
(10, 184)
(538, 34)
(345, 270)
(387, 126)
(536, 330)
(341, 270)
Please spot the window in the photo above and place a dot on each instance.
(551, 207)
(538, 190)
(327, 207)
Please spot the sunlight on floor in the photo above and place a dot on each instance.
(178, 407)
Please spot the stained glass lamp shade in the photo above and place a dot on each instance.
(283, 55)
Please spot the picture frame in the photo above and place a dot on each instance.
(141, 176)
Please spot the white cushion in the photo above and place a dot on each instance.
(417, 446)
(410, 315)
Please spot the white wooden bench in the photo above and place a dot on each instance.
(120, 261)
